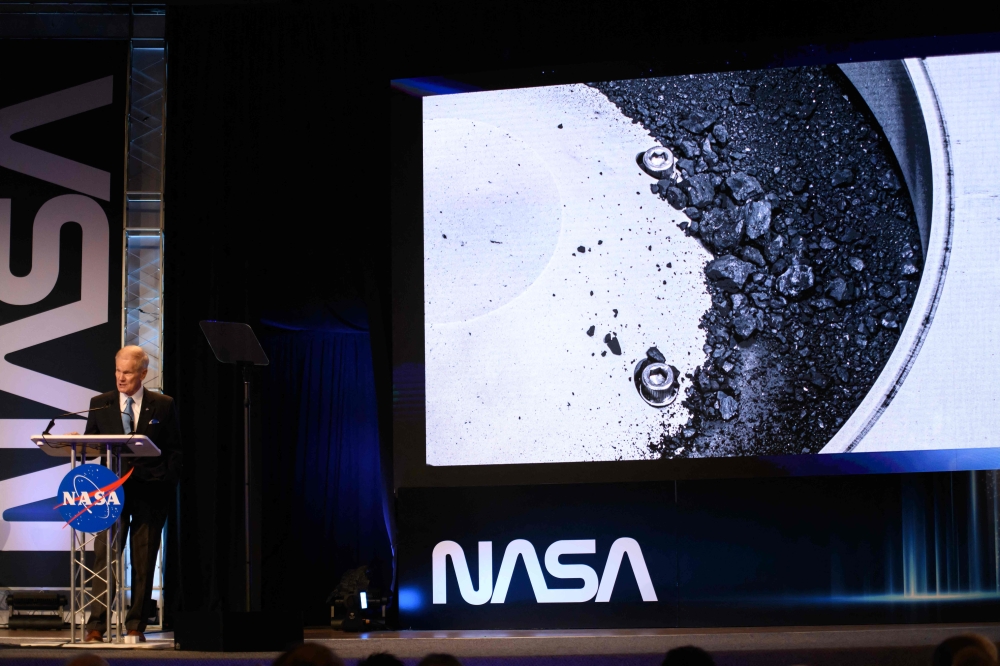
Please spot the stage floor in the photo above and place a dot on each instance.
(642, 641)
(894, 644)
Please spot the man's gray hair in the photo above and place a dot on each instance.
(135, 352)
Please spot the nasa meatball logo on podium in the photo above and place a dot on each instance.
(92, 497)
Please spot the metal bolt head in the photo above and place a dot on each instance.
(658, 162)
(656, 382)
(657, 376)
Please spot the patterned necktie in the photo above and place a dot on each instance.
(127, 416)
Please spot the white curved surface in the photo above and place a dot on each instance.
(491, 209)
(951, 394)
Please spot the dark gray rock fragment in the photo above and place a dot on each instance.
(822, 303)
(842, 177)
(818, 379)
(775, 248)
(753, 255)
(721, 230)
(856, 263)
(590, 331)
(801, 111)
(729, 273)
(728, 407)
(654, 355)
(612, 342)
(743, 186)
(850, 236)
(699, 189)
(797, 245)
(698, 122)
(837, 290)
(744, 325)
(676, 198)
(721, 134)
(689, 148)
(887, 181)
(692, 213)
(796, 280)
(757, 215)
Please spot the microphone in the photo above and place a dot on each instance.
(52, 422)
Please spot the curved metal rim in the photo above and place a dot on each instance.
(867, 414)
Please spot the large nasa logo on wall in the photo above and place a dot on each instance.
(83, 210)
(63, 120)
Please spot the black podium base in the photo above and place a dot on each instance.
(218, 631)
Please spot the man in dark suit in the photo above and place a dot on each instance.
(149, 490)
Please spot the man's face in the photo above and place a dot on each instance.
(128, 374)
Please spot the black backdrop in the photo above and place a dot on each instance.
(276, 177)
(272, 202)
(555, 41)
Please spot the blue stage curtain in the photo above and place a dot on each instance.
(322, 483)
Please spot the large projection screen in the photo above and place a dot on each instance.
(774, 265)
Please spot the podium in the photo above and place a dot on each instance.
(112, 448)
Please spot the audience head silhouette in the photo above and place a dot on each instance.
(965, 650)
(688, 655)
(88, 660)
(439, 660)
(380, 659)
(308, 654)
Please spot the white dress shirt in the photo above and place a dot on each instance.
(136, 406)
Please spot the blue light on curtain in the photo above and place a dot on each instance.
(322, 476)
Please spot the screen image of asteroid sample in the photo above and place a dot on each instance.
(781, 262)
(789, 182)
(772, 202)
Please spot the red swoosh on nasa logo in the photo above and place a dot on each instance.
(106, 489)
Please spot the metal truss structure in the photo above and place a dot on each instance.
(142, 300)
(111, 572)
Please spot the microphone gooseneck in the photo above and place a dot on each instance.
(52, 421)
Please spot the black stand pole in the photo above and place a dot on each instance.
(253, 630)
(236, 343)
(246, 477)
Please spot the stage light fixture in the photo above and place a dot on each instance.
(36, 610)
(358, 604)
